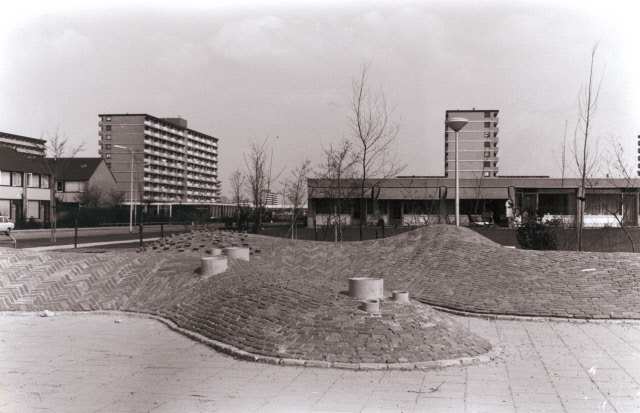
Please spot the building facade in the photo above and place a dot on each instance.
(421, 201)
(171, 163)
(30, 147)
(478, 144)
(24, 188)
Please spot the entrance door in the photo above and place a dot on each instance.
(395, 217)
(630, 205)
(530, 203)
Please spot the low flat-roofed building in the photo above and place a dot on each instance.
(421, 201)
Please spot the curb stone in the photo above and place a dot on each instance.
(244, 355)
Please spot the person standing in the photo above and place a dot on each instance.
(509, 206)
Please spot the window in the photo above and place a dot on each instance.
(487, 144)
(554, 204)
(446, 164)
(108, 118)
(446, 174)
(487, 154)
(487, 124)
(108, 146)
(495, 154)
(495, 144)
(16, 179)
(495, 164)
(44, 182)
(108, 137)
(495, 134)
(446, 156)
(446, 145)
(5, 178)
(108, 156)
(603, 204)
(487, 173)
(487, 164)
(495, 174)
(487, 134)
(495, 125)
(108, 128)
(60, 186)
(487, 114)
(33, 180)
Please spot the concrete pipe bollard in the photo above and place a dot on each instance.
(401, 296)
(213, 265)
(371, 306)
(238, 253)
(216, 252)
(364, 288)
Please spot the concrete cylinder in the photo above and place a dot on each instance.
(364, 288)
(401, 296)
(213, 265)
(238, 253)
(370, 306)
(216, 252)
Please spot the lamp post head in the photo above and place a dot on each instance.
(456, 123)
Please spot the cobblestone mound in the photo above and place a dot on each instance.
(290, 301)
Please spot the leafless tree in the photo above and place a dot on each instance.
(59, 151)
(259, 177)
(374, 131)
(238, 184)
(337, 173)
(91, 197)
(115, 197)
(620, 174)
(296, 191)
(585, 146)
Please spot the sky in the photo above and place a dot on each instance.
(282, 71)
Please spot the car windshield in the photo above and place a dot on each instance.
(3, 219)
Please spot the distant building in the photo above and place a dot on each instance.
(478, 144)
(24, 189)
(270, 198)
(30, 147)
(172, 164)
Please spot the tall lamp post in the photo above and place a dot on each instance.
(131, 193)
(456, 124)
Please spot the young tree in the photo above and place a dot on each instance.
(59, 152)
(337, 173)
(238, 183)
(620, 174)
(91, 198)
(374, 132)
(296, 192)
(584, 146)
(259, 177)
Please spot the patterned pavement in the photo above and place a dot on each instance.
(289, 302)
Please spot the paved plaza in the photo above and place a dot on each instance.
(287, 307)
(90, 363)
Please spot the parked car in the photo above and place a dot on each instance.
(6, 225)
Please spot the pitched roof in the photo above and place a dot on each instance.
(73, 169)
(12, 160)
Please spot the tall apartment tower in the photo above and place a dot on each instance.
(30, 147)
(171, 163)
(478, 144)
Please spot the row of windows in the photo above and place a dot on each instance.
(488, 124)
(8, 178)
(485, 174)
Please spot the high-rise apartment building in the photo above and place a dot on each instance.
(31, 147)
(171, 163)
(478, 144)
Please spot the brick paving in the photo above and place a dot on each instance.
(289, 301)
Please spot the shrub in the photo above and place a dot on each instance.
(533, 235)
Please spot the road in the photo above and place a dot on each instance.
(65, 236)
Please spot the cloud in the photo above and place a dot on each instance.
(250, 39)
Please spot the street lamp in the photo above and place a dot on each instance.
(456, 124)
(131, 193)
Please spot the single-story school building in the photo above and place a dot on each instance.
(425, 200)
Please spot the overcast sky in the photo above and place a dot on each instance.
(283, 70)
